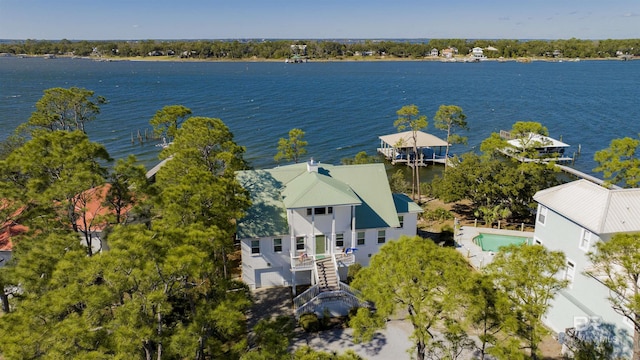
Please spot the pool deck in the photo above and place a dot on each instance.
(472, 252)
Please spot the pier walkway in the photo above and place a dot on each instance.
(585, 176)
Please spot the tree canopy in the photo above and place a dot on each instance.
(167, 120)
(449, 118)
(527, 274)
(325, 49)
(293, 148)
(162, 288)
(498, 189)
(409, 117)
(616, 263)
(619, 163)
(414, 275)
(65, 109)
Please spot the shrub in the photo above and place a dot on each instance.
(309, 322)
(353, 271)
(438, 214)
(446, 234)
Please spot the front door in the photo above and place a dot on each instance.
(321, 245)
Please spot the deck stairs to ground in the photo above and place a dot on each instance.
(329, 294)
(327, 275)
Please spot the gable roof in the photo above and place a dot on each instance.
(600, 210)
(273, 191)
(313, 189)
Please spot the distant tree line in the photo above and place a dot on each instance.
(324, 49)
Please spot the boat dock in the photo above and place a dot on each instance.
(545, 148)
(398, 148)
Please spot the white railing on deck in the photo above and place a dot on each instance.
(346, 259)
(301, 262)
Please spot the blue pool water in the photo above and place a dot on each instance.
(493, 242)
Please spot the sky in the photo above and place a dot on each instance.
(320, 19)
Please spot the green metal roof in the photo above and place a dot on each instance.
(266, 216)
(313, 189)
(293, 186)
(404, 204)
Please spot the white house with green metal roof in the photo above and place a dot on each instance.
(572, 218)
(309, 222)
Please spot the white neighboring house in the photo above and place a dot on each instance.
(477, 54)
(308, 220)
(571, 218)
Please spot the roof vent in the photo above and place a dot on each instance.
(312, 166)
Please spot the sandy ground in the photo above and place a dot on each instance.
(393, 342)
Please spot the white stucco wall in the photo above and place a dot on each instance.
(269, 268)
(586, 296)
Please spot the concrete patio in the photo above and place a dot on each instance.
(472, 252)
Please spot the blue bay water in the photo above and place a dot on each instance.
(342, 106)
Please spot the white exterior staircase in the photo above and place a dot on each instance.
(327, 275)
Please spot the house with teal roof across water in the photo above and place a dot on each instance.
(308, 222)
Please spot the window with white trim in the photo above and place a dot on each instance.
(300, 243)
(277, 245)
(542, 214)
(255, 246)
(382, 236)
(401, 220)
(339, 240)
(570, 272)
(360, 238)
(585, 240)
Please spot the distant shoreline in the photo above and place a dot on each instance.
(459, 59)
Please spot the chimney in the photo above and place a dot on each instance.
(312, 166)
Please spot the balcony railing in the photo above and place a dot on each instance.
(302, 262)
(345, 259)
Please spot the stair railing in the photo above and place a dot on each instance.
(305, 297)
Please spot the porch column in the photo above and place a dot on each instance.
(332, 241)
(353, 226)
(292, 248)
(293, 283)
(313, 233)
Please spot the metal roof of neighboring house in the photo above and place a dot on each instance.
(600, 210)
(538, 140)
(406, 138)
(293, 186)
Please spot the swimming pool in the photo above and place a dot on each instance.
(493, 242)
